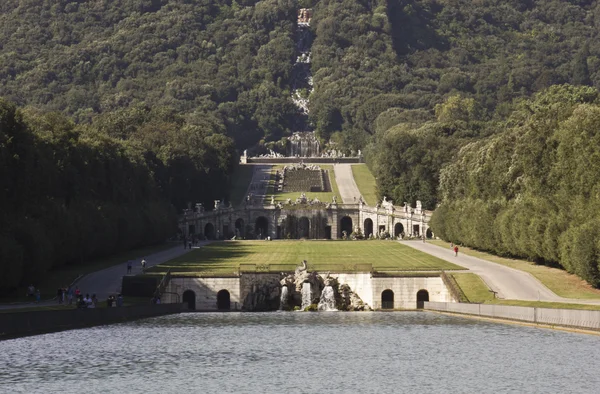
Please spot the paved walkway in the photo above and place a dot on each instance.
(346, 184)
(509, 283)
(108, 281)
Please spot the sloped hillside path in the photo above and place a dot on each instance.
(509, 283)
(346, 184)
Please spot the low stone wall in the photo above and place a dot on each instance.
(205, 291)
(406, 289)
(560, 317)
(18, 324)
(307, 160)
(360, 283)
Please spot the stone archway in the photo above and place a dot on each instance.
(209, 231)
(368, 227)
(189, 297)
(422, 297)
(398, 230)
(387, 299)
(346, 225)
(223, 300)
(261, 227)
(303, 227)
(239, 228)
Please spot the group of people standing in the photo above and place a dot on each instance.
(65, 295)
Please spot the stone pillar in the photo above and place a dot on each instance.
(335, 225)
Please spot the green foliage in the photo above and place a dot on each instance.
(72, 193)
(531, 191)
(224, 60)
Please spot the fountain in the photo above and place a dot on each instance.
(306, 296)
(284, 298)
(327, 302)
(305, 290)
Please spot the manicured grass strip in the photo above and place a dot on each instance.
(322, 196)
(275, 256)
(474, 288)
(367, 185)
(559, 281)
(240, 181)
(66, 275)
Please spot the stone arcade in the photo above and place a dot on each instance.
(306, 219)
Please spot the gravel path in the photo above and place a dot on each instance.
(346, 184)
(509, 283)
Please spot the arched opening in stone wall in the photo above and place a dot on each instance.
(368, 226)
(261, 227)
(346, 225)
(387, 299)
(429, 233)
(416, 230)
(209, 231)
(303, 227)
(398, 230)
(189, 298)
(422, 296)
(239, 228)
(223, 300)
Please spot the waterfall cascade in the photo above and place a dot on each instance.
(284, 297)
(306, 296)
(327, 302)
(303, 142)
(305, 290)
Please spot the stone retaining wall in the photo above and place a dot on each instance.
(559, 317)
(18, 324)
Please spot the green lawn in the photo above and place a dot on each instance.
(240, 181)
(559, 281)
(366, 183)
(276, 256)
(474, 288)
(66, 275)
(322, 196)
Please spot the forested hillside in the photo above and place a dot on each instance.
(228, 61)
(416, 80)
(130, 110)
(483, 106)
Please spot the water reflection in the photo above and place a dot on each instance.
(302, 352)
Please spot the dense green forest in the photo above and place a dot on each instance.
(462, 103)
(217, 59)
(411, 82)
(70, 193)
(532, 190)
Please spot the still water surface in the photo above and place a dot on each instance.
(302, 353)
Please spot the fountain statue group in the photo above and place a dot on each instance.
(302, 290)
(306, 290)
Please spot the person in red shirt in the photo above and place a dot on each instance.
(455, 251)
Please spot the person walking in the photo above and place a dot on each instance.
(143, 265)
(70, 295)
(455, 250)
(129, 265)
(59, 295)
